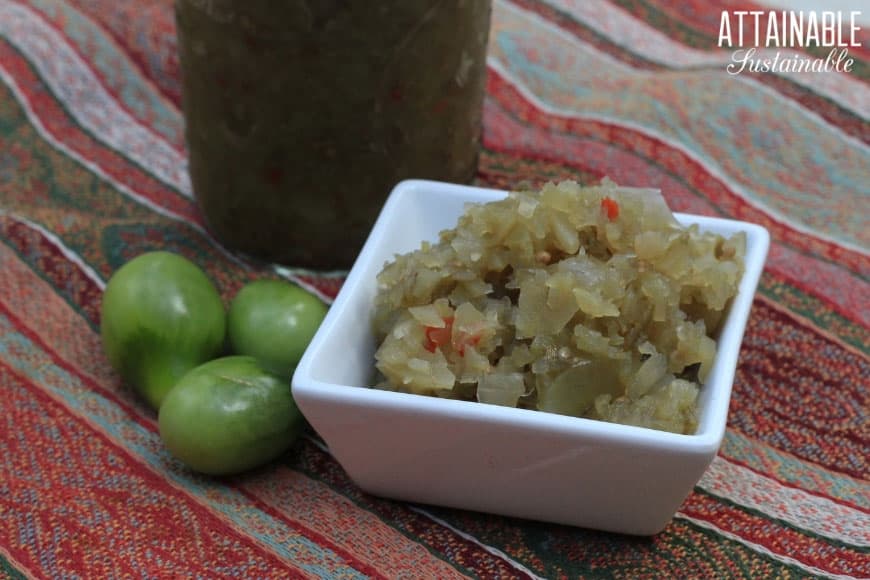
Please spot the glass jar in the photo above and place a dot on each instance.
(303, 114)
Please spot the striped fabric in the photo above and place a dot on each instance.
(93, 172)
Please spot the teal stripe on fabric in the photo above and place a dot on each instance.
(9, 572)
(791, 470)
(28, 359)
(791, 162)
(113, 64)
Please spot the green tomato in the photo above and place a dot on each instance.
(229, 415)
(273, 321)
(161, 316)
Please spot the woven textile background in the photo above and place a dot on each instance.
(92, 173)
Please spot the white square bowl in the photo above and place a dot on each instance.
(514, 462)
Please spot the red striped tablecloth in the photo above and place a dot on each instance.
(92, 172)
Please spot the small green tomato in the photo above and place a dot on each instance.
(229, 415)
(160, 317)
(273, 321)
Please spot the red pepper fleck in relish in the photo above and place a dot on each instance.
(610, 208)
(437, 337)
